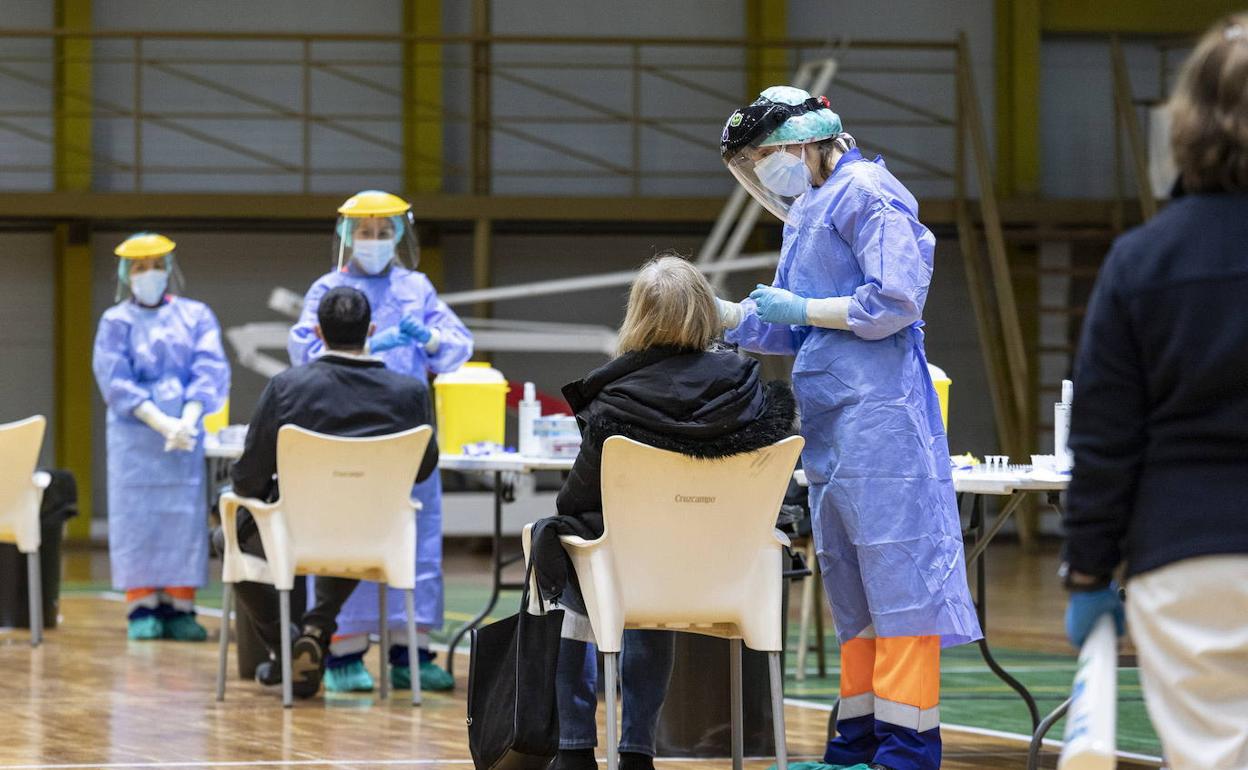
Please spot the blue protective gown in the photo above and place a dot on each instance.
(157, 505)
(886, 523)
(392, 295)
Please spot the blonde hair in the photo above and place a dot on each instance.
(1209, 111)
(669, 305)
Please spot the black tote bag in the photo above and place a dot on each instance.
(513, 723)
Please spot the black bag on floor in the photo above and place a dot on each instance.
(513, 723)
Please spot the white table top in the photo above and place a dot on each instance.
(486, 464)
(983, 482)
(503, 462)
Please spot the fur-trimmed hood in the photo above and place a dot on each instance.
(703, 404)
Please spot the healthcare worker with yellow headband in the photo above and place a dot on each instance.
(376, 252)
(847, 301)
(160, 366)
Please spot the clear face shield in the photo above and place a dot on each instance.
(774, 176)
(148, 280)
(370, 245)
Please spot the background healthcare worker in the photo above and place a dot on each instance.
(417, 334)
(847, 300)
(160, 366)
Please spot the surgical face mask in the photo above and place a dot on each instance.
(149, 287)
(373, 256)
(784, 173)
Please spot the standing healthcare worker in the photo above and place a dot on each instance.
(376, 251)
(160, 366)
(847, 301)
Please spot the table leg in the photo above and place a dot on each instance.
(496, 565)
(983, 536)
(1037, 740)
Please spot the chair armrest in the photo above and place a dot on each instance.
(579, 542)
(41, 479)
(782, 538)
(228, 504)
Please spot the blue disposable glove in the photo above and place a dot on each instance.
(393, 337)
(779, 306)
(1087, 607)
(415, 329)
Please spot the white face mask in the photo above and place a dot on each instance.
(149, 287)
(784, 173)
(373, 256)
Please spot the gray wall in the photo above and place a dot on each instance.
(27, 334)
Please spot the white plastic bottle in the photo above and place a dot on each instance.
(530, 410)
(1061, 427)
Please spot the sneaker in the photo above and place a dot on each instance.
(183, 627)
(633, 760)
(433, 678)
(575, 759)
(144, 628)
(269, 673)
(352, 677)
(307, 663)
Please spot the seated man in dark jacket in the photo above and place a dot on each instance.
(669, 389)
(345, 392)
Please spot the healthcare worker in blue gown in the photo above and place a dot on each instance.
(159, 364)
(847, 301)
(376, 251)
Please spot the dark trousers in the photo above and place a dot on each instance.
(260, 600)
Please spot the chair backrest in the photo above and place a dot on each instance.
(347, 501)
(20, 443)
(693, 539)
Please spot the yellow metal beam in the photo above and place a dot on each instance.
(422, 102)
(766, 21)
(1018, 97)
(72, 163)
(72, 101)
(74, 390)
(1133, 17)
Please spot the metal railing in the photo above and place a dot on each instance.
(578, 113)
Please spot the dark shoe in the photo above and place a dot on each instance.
(269, 673)
(307, 662)
(631, 760)
(574, 759)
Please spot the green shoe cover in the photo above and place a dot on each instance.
(434, 678)
(184, 628)
(401, 677)
(353, 677)
(149, 627)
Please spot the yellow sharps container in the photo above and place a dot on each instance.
(471, 405)
(218, 419)
(941, 382)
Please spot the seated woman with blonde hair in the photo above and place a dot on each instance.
(671, 386)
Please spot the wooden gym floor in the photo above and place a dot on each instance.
(88, 698)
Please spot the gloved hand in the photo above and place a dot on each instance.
(393, 337)
(188, 433)
(779, 306)
(415, 329)
(1087, 607)
(167, 426)
(730, 313)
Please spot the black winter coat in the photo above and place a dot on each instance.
(1159, 426)
(703, 404)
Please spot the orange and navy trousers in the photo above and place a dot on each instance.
(890, 703)
(143, 602)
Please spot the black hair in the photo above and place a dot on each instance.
(344, 315)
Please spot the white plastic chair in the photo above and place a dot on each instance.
(345, 511)
(689, 545)
(21, 494)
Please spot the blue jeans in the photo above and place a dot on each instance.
(645, 668)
